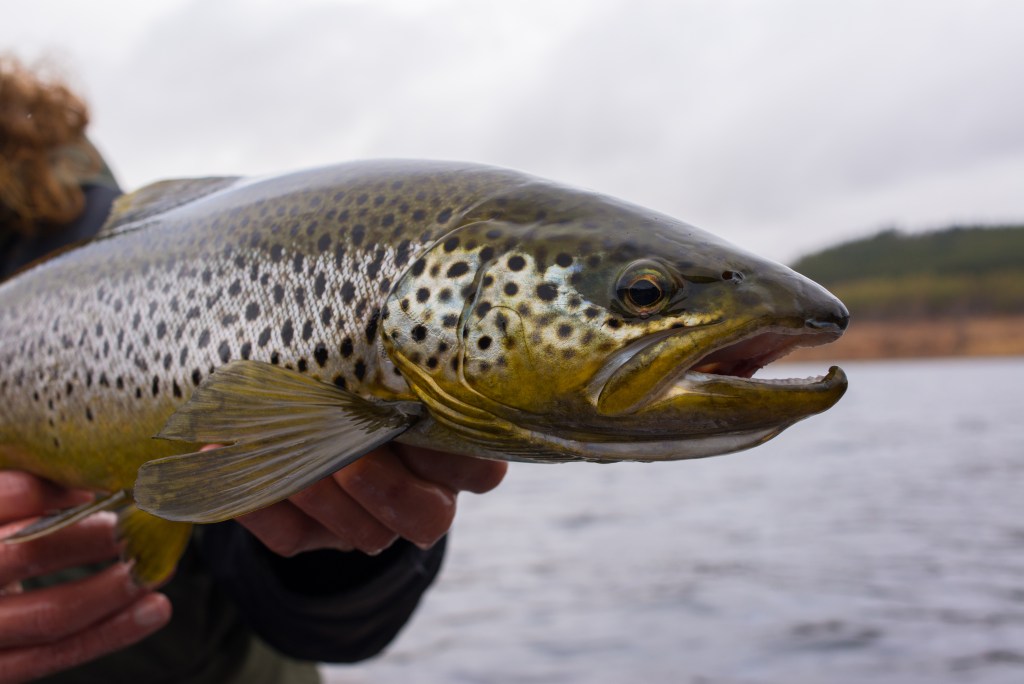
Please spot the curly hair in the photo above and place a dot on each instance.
(40, 120)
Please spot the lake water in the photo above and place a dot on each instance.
(880, 542)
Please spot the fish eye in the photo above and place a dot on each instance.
(644, 288)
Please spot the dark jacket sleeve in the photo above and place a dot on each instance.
(326, 606)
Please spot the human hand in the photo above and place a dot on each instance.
(394, 491)
(55, 628)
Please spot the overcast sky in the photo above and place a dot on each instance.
(783, 126)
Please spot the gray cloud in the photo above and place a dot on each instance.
(782, 126)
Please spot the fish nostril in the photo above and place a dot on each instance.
(836, 321)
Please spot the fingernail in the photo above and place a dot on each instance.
(152, 610)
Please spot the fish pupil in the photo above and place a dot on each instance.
(644, 293)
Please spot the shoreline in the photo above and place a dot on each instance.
(922, 338)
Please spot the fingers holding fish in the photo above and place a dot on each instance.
(91, 541)
(23, 495)
(118, 630)
(415, 508)
(322, 516)
(456, 472)
(49, 629)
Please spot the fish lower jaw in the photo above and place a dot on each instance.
(694, 379)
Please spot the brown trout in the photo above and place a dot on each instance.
(304, 319)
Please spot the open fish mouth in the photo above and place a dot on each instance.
(718, 360)
(743, 358)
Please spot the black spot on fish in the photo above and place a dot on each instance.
(371, 327)
(275, 358)
(547, 292)
(346, 347)
(516, 263)
(482, 309)
(387, 220)
(204, 338)
(348, 292)
(511, 289)
(252, 311)
(300, 296)
(235, 288)
(278, 293)
(614, 323)
(307, 330)
(418, 266)
(175, 389)
(156, 385)
(264, 337)
(451, 244)
(136, 320)
(459, 268)
(326, 315)
(276, 253)
(229, 319)
(297, 262)
(450, 320)
(385, 285)
(360, 369)
(168, 360)
(224, 351)
(402, 253)
(246, 350)
(445, 294)
(564, 260)
(119, 383)
(358, 233)
(419, 215)
(444, 216)
(565, 331)
(373, 268)
(484, 342)
(339, 381)
(488, 281)
(324, 243)
(419, 333)
(422, 294)
(320, 285)
(287, 333)
(161, 330)
(432, 362)
(320, 354)
(303, 366)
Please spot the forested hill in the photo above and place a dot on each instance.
(954, 272)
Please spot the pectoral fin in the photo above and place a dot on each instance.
(285, 431)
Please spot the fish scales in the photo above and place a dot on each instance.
(302, 320)
(125, 328)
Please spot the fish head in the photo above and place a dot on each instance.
(593, 329)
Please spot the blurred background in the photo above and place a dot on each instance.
(877, 146)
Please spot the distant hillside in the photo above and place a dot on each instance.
(954, 272)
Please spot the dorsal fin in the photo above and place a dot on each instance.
(160, 197)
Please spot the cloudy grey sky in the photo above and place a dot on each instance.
(783, 126)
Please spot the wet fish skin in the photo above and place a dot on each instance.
(458, 306)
